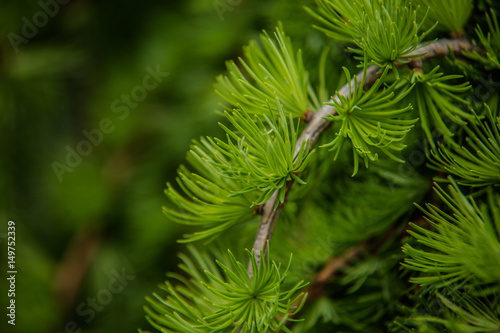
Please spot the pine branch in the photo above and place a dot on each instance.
(332, 267)
(318, 124)
(338, 262)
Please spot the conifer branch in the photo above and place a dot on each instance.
(332, 267)
(318, 124)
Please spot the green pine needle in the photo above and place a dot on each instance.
(434, 98)
(260, 154)
(450, 15)
(479, 163)
(491, 43)
(232, 177)
(370, 119)
(225, 298)
(464, 313)
(462, 246)
(207, 199)
(272, 68)
(386, 31)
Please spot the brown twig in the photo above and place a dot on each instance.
(318, 124)
(75, 265)
(332, 267)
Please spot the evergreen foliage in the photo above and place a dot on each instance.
(373, 260)
(450, 15)
(273, 68)
(370, 120)
(264, 153)
(212, 205)
(434, 98)
(479, 164)
(490, 41)
(225, 298)
(465, 244)
(385, 31)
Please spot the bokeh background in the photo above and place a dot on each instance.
(65, 68)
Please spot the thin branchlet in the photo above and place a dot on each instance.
(318, 124)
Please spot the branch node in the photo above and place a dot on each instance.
(317, 124)
(307, 116)
(258, 209)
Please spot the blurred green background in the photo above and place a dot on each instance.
(71, 68)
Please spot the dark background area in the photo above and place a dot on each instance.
(86, 213)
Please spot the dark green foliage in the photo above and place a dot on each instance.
(436, 100)
(78, 59)
(368, 269)
(490, 41)
(478, 163)
(464, 242)
(450, 15)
